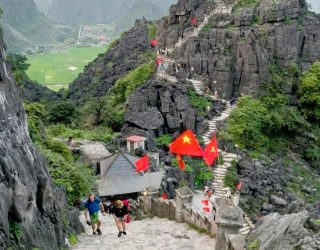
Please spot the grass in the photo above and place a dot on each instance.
(58, 70)
(73, 240)
(302, 177)
(97, 134)
(198, 229)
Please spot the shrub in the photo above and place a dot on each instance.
(19, 67)
(163, 140)
(254, 245)
(73, 240)
(36, 114)
(62, 112)
(231, 177)
(15, 230)
(127, 84)
(245, 123)
(152, 30)
(200, 103)
(76, 178)
(309, 92)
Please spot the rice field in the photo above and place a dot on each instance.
(57, 70)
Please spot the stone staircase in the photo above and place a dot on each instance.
(221, 169)
(219, 9)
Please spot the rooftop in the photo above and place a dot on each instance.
(136, 138)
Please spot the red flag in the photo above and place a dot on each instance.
(211, 152)
(164, 196)
(142, 164)
(181, 163)
(205, 202)
(194, 21)
(154, 42)
(206, 209)
(239, 186)
(186, 144)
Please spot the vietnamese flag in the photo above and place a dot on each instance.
(205, 202)
(181, 163)
(211, 152)
(239, 186)
(206, 209)
(186, 144)
(154, 42)
(142, 164)
(164, 196)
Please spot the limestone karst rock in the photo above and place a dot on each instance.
(31, 208)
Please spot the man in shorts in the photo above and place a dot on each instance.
(93, 206)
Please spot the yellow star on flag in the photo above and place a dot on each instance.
(213, 150)
(186, 139)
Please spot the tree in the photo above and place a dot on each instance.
(19, 67)
(309, 92)
(62, 112)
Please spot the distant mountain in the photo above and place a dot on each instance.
(43, 5)
(25, 26)
(151, 9)
(122, 12)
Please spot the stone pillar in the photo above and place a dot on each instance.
(147, 198)
(183, 195)
(229, 220)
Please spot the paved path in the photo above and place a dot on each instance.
(148, 234)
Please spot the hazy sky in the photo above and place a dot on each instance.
(315, 5)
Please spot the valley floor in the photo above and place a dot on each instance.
(147, 234)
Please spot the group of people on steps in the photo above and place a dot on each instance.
(95, 210)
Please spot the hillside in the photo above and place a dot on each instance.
(43, 5)
(25, 27)
(256, 51)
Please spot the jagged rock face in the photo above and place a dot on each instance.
(280, 232)
(234, 52)
(103, 72)
(159, 107)
(35, 92)
(28, 198)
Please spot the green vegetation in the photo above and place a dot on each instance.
(266, 124)
(127, 84)
(245, 4)
(269, 124)
(302, 176)
(15, 230)
(231, 177)
(75, 177)
(152, 30)
(163, 140)
(199, 171)
(309, 92)
(100, 133)
(73, 240)
(200, 103)
(19, 67)
(254, 245)
(57, 70)
(198, 229)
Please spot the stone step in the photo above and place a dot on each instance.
(245, 230)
